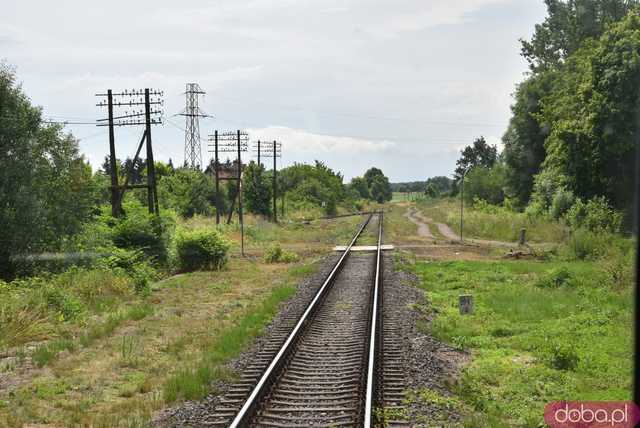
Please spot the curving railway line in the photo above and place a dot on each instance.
(334, 365)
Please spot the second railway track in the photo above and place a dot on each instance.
(326, 368)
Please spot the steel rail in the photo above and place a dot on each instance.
(245, 413)
(373, 335)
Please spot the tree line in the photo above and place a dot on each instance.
(574, 118)
(52, 201)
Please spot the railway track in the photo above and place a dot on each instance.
(326, 368)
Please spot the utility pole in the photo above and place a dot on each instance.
(192, 114)
(259, 164)
(216, 168)
(230, 142)
(151, 167)
(240, 217)
(274, 149)
(464, 172)
(132, 100)
(116, 207)
(275, 184)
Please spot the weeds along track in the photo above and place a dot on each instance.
(324, 368)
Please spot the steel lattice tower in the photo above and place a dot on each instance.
(192, 113)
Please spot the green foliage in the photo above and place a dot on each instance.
(46, 188)
(584, 244)
(134, 264)
(257, 191)
(533, 344)
(360, 185)
(479, 154)
(596, 215)
(432, 191)
(485, 184)
(312, 186)
(524, 150)
(555, 278)
(201, 250)
(275, 254)
(63, 303)
(374, 185)
(561, 202)
(139, 230)
(567, 26)
(591, 114)
(562, 356)
(187, 191)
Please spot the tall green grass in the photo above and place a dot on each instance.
(494, 223)
(541, 331)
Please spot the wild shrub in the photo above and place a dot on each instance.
(275, 254)
(556, 278)
(139, 230)
(587, 245)
(67, 306)
(134, 264)
(596, 215)
(561, 202)
(20, 322)
(201, 250)
(562, 356)
(618, 267)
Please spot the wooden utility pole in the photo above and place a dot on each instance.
(113, 162)
(275, 183)
(151, 168)
(240, 217)
(132, 99)
(216, 168)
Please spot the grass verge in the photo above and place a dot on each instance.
(540, 332)
(194, 382)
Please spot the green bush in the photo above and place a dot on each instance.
(562, 357)
(139, 230)
(562, 201)
(485, 183)
(67, 306)
(133, 263)
(201, 250)
(275, 254)
(596, 215)
(556, 278)
(587, 245)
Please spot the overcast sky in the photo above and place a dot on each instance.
(401, 85)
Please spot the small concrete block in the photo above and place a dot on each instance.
(465, 302)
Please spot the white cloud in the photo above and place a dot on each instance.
(304, 142)
(353, 82)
